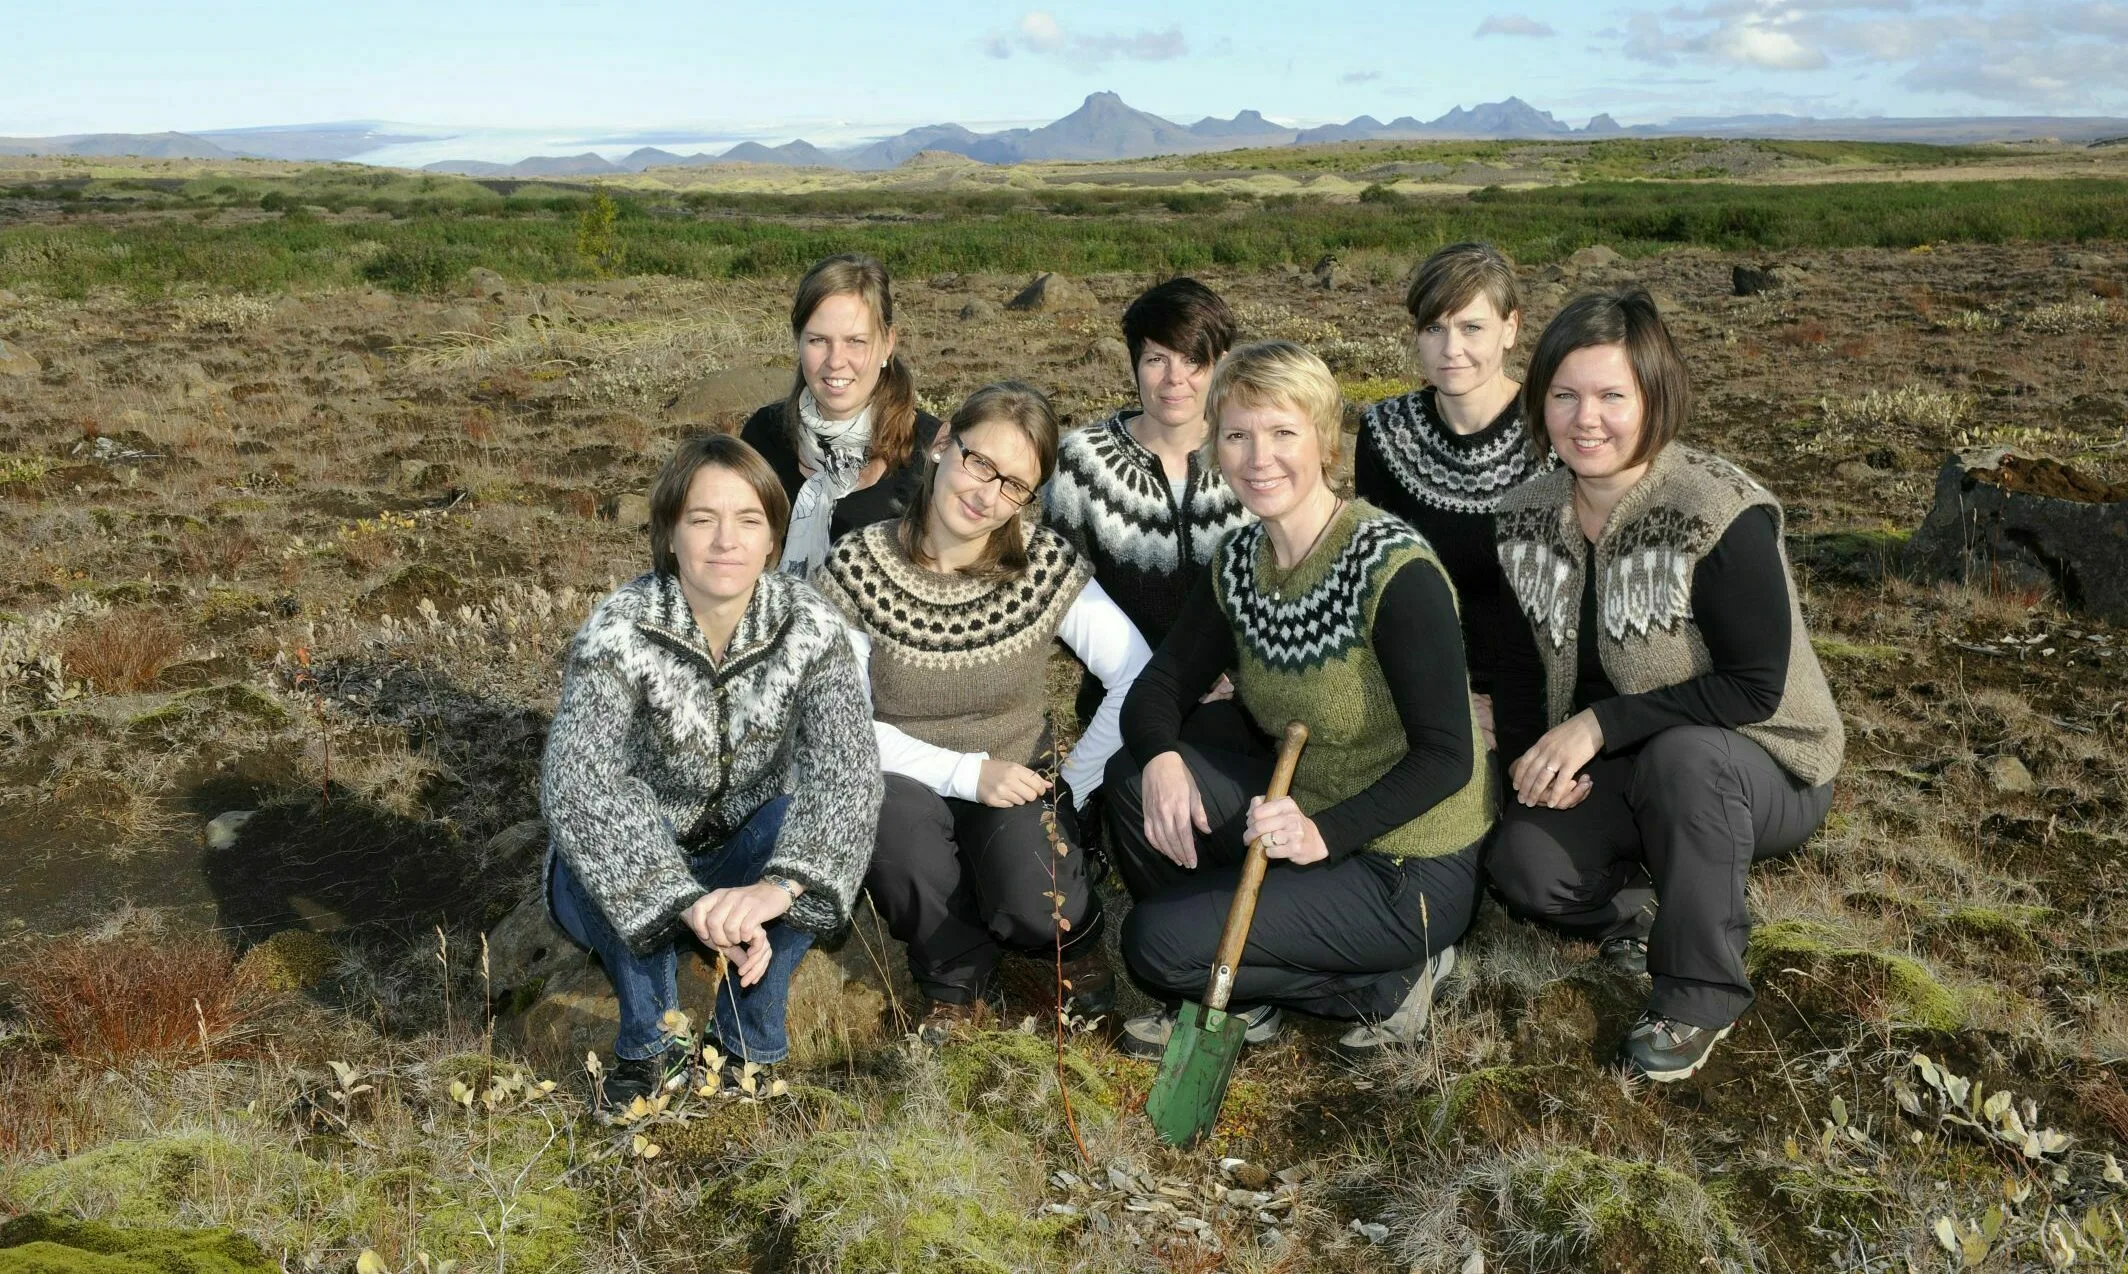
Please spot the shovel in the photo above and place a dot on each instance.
(1200, 1056)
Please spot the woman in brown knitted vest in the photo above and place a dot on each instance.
(1666, 717)
(953, 611)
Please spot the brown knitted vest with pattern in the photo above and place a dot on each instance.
(958, 662)
(1650, 545)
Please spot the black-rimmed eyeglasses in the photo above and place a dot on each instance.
(983, 469)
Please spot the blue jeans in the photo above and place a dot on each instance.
(749, 1021)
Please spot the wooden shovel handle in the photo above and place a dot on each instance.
(1243, 909)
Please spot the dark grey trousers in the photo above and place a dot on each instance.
(1680, 820)
(960, 882)
(1344, 939)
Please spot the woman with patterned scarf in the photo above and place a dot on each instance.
(1666, 717)
(848, 443)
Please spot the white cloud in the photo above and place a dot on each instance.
(1757, 43)
(1515, 24)
(1040, 34)
(2068, 57)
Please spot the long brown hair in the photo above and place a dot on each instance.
(893, 403)
(1027, 408)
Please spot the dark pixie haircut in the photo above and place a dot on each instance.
(1022, 405)
(1615, 318)
(1184, 315)
(668, 496)
(1459, 274)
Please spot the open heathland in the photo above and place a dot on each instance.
(302, 502)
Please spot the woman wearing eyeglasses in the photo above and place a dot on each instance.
(953, 611)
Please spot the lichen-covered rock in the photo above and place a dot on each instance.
(1049, 293)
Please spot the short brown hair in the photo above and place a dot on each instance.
(893, 404)
(1021, 404)
(1280, 373)
(1615, 318)
(668, 495)
(1184, 315)
(1459, 274)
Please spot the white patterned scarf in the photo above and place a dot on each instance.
(835, 451)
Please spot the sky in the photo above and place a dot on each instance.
(619, 73)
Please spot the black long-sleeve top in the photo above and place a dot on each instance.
(1740, 606)
(767, 432)
(1423, 666)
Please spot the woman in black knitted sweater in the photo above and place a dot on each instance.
(848, 442)
(1442, 456)
(1135, 494)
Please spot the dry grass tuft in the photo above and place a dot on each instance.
(117, 997)
(119, 652)
(1914, 406)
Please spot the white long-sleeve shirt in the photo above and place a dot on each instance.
(1104, 639)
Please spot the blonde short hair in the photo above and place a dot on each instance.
(1280, 374)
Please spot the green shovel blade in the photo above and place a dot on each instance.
(1194, 1071)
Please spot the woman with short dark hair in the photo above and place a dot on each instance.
(710, 770)
(954, 611)
(1666, 715)
(1136, 493)
(848, 441)
(1441, 456)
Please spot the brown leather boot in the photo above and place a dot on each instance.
(946, 1018)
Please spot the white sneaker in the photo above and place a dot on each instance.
(1408, 1024)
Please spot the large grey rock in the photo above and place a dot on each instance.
(1049, 293)
(485, 284)
(723, 400)
(553, 1003)
(17, 361)
(2017, 523)
(1594, 256)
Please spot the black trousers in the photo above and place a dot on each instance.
(1345, 939)
(1680, 820)
(960, 882)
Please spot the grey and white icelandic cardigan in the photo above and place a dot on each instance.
(657, 752)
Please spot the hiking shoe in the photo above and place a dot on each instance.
(947, 1018)
(1627, 953)
(1407, 1025)
(1089, 985)
(1147, 1034)
(631, 1077)
(1667, 1051)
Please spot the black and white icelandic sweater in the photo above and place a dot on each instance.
(1112, 499)
(1447, 485)
(658, 752)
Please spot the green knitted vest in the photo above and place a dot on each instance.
(1305, 639)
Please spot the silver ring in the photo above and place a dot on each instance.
(1551, 769)
(1273, 839)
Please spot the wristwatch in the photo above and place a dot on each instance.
(785, 883)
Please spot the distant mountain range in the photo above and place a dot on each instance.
(1104, 127)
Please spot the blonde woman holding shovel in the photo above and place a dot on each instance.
(1335, 614)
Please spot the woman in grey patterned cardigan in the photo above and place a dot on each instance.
(711, 770)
